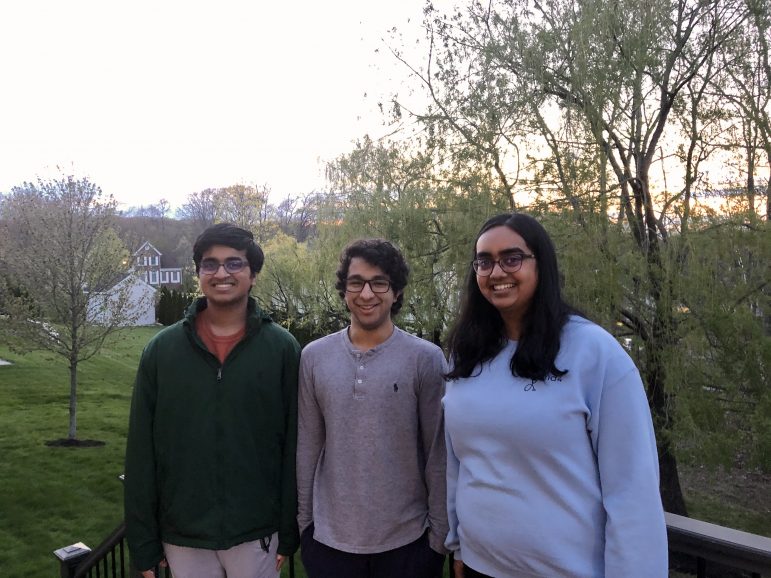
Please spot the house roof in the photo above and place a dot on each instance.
(134, 280)
(146, 245)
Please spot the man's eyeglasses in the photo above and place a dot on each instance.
(375, 285)
(211, 266)
(508, 263)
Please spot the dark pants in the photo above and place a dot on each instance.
(414, 560)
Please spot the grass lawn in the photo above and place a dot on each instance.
(54, 496)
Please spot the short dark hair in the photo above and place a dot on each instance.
(229, 235)
(479, 333)
(379, 253)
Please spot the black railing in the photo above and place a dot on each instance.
(110, 560)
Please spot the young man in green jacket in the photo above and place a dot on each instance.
(210, 459)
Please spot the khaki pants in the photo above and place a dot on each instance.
(247, 560)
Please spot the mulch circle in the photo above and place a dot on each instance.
(70, 443)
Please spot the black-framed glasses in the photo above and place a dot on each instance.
(508, 263)
(376, 285)
(211, 266)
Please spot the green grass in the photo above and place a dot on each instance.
(54, 496)
(737, 498)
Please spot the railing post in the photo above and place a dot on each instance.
(701, 568)
(69, 557)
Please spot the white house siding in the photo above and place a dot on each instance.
(140, 303)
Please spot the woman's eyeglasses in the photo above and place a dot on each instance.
(508, 263)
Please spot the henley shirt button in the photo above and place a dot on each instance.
(359, 381)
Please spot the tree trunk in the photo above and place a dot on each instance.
(659, 399)
(662, 339)
(72, 434)
(669, 485)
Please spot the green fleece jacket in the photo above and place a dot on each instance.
(210, 455)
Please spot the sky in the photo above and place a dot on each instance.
(159, 99)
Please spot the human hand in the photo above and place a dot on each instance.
(457, 568)
(151, 572)
(279, 561)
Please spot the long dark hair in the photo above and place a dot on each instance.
(479, 332)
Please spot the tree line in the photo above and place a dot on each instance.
(613, 123)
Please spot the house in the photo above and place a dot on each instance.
(154, 269)
(138, 296)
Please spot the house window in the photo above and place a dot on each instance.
(154, 260)
(164, 276)
(175, 277)
(144, 260)
(153, 277)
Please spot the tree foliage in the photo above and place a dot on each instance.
(579, 113)
(172, 305)
(60, 251)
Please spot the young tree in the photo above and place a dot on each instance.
(61, 251)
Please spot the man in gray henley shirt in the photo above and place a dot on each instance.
(371, 453)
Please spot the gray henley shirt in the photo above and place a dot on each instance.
(371, 449)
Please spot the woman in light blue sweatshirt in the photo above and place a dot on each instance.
(552, 468)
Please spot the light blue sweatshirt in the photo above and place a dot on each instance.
(555, 478)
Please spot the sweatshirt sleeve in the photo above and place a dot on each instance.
(288, 535)
(431, 419)
(140, 491)
(625, 444)
(452, 543)
(310, 441)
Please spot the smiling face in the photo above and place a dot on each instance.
(510, 293)
(223, 289)
(369, 311)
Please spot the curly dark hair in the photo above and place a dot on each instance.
(479, 333)
(379, 253)
(229, 235)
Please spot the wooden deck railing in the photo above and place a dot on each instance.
(712, 545)
(717, 550)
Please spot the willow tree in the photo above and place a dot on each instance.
(297, 287)
(402, 192)
(584, 94)
(61, 254)
(747, 68)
